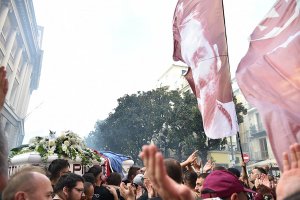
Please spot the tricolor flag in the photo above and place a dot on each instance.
(269, 74)
(200, 42)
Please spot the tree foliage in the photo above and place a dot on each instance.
(170, 119)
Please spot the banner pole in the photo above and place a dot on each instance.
(238, 134)
(244, 164)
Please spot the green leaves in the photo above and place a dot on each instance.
(170, 119)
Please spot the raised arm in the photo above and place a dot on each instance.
(3, 139)
(167, 188)
(288, 184)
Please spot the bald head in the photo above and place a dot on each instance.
(29, 183)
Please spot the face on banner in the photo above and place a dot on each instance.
(199, 41)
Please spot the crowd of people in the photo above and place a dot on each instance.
(159, 178)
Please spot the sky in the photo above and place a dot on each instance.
(97, 51)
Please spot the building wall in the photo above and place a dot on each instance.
(224, 158)
(21, 54)
(173, 78)
(253, 135)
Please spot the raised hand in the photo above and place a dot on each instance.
(3, 86)
(113, 191)
(190, 159)
(127, 192)
(288, 183)
(167, 188)
(208, 166)
(196, 165)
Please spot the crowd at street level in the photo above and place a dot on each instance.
(159, 178)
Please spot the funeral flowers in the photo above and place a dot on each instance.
(67, 145)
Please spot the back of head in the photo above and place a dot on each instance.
(56, 166)
(138, 180)
(203, 175)
(261, 170)
(87, 185)
(219, 168)
(114, 179)
(173, 169)
(89, 177)
(25, 180)
(96, 170)
(132, 172)
(190, 179)
(235, 171)
(68, 180)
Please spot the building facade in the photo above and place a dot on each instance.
(21, 54)
(173, 77)
(254, 140)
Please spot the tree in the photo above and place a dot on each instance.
(169, 118)
(134, 121)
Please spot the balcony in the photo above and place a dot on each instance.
(257, 131)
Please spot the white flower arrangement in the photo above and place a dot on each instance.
(67, 145)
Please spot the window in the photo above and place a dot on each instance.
(5, 29)
(263, 148)
(13, 92)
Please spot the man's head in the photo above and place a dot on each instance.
(235, 171)
(199, 182)
(173, 169)
(132, 172)
(223, 184)
(70, 187)
(57, 168)
(256, 173)
(114, 179)
(138, 180)
(89, 177)
(29, 183)
(88, 191)
(97, 171)
(189, 179)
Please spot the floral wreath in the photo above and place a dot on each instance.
(67, 145)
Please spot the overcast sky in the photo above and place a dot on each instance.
(95, 51)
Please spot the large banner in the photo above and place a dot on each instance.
(200, 42)
(269, 74)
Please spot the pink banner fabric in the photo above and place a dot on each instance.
(200, 42)
(269, 74)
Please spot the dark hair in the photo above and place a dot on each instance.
(234, 171)
(56, 166)
(203, 175)
(266, 192)
(261, 170)
(87, 185)
(68, 180)
(219, 168)
(89, 177)
(132, 172)
(114, 179)
(96, 170)
(190, 179)
(173, 169)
